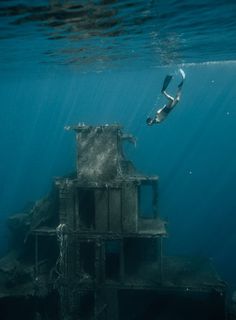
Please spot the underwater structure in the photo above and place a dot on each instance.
(93, 249)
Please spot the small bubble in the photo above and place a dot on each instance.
(212, 81)
(227, 113)
(190, 172)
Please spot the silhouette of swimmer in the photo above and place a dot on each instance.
(163, 112)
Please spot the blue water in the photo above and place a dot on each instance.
(193, 151)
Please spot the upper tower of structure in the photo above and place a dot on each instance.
(108, 194)
(99, 153)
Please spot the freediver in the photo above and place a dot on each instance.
(163, 112)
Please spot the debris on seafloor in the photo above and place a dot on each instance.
(93, 249)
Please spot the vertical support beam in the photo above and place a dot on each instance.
(129, 207)
(108, 210)
(115, 209)
(96, 305)
(154, 200)
(76, 208)
(62, 206)
(101, 210)
(112, 304)
(100, 305)
(77, 257)
(103, 261)
(160, 258)
(122, 267)
(98, 248)
(67, 217)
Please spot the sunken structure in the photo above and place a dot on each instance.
(93, 249)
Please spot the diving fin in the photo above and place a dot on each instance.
(183, 78)
(166, 82)
(182, 73)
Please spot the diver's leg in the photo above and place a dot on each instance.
(183, 78)
(169, 97)
(182, 73)
(166, 82)
(180, 85)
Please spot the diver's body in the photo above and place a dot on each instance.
(163, 112)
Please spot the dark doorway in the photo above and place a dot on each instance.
(137, 252)
(112, 256)
(86, 208)
(87, 258)
(86, 309)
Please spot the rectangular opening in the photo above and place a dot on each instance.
(86, 201)
(138, 252)
(112, 259)
(115, 210)
(86, 305)
(87, 259)
(147, 201)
